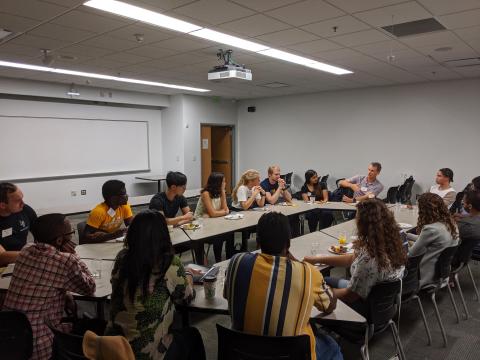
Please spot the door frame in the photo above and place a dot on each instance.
(234, 147)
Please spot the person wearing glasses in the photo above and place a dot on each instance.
(16, 218)
(105, 220)
(44, 275)
(171, 201)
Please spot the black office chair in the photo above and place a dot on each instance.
(382, 304)
(236, 345)
(66, 346)
(408, 190)
(323, 179)
(81, 231)
(461, 260)
(16, 337)
(457, 204)
(288, 179)
(475, 257)
(411, 287)
(391, 195)
(442, 274)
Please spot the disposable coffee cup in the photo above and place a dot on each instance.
(209, 285)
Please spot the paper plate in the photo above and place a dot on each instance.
(234, 216)
(405, 226)
(331, 249)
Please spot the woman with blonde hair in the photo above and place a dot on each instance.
(436, 230)
(248, 193)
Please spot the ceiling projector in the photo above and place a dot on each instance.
(229, 69)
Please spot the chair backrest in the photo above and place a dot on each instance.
(287, 178)
(81, 231)
(16, 337)
(323, 179)
(408, 189)
(66, 346)
(464, 251)
(338, 180)
(457, 204)
(442, 267)
(236, 345)
(401, 193)
(410, 281)
(392, 195)
(382, 303)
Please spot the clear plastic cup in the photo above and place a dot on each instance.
(314, 248)
(312, 199)
(342, 238)
(97, 268)
(209, 285)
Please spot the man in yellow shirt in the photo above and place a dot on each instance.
(106, 218)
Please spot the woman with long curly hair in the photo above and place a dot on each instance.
(378, 254)
(436, 230)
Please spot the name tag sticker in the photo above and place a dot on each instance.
(364, 188)
(111, 212)
(7, 232)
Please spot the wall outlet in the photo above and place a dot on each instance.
(83, 192)
(73, 193)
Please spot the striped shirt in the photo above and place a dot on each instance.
(273, 295)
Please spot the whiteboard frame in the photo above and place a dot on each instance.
(84, 175)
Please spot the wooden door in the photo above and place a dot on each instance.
(222, 153)
(206, 152)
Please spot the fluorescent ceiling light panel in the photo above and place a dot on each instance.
(154, 18)
(97, 76)
(222, 38)
(144, 15)
(282, 55)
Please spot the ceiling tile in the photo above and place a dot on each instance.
(190, 58)
(264, 5)
(360, 38)
(214, 11)
(255, 25)
(405, 12)
(469, 33)
(16, 49)
(287, 37)
(91, 22)
(123, 57)
(430, 39)
(32, 9)
(367, 79)
(69, 3)
(150, 34)
(343, 24)
(461, 20)
(111, 43)
(362, 5)
(337, 54)
(166, 4)
(442, 7)
(150, 51)
(55, 31)
(436, 73)
(16, 23)
(383, 47)
(306, 12)
(458, 51)
(316, 46)
(39, 42)
(137, 69)
(183, 43)
(82, 49)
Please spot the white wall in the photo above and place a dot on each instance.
(196, 111)
(413, 129)
(44, 194)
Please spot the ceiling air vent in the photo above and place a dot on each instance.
(275, 85)
(462, 63)
(414, 27)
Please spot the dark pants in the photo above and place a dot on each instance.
(324, 218)
(217, 244)
(187, 344)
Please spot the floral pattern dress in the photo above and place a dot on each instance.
(146, 322)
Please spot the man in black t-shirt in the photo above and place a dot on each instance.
(274, 186)
(172, 200)
(15, 220)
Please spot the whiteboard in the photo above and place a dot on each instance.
(39, 148)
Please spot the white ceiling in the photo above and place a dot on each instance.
(104, 43)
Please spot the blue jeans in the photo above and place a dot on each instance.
(326, 348)
(336, 283)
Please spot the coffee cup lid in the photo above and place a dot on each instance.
(210, 278)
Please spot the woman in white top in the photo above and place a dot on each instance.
(443, 187)
(213, 203)
(248, 193)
